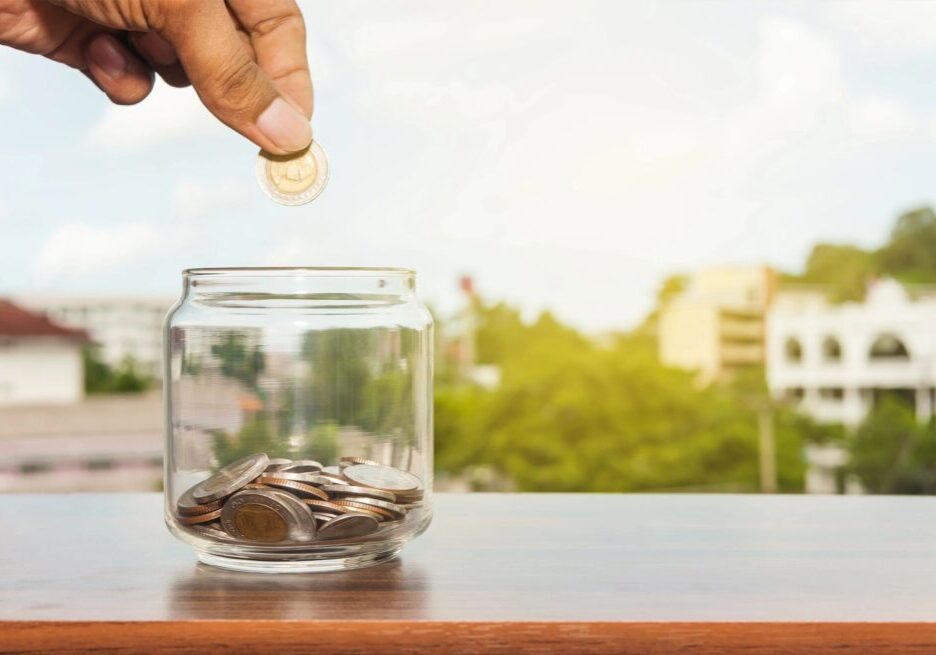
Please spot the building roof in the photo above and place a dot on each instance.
(17, 322)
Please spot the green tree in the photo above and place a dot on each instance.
(843, 268)
(891, 453)
(571, 415)
(239, 360)
(910, 253)
(100, 377)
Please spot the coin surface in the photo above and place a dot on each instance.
(199, 518)
(381, 477)
(325, 506)
(351, 506)
(350, 460)
(332, 470)
(187, 506)
(302, 466)
(266, 516)
(350, 490)
(348, 526)
(293, 179)
(391, 508)
(230, 478)
(277, 463)
(304, 490)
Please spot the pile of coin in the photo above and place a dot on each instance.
(278, 501)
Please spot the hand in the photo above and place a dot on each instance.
(245, 58)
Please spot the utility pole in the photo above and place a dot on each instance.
(767, 450)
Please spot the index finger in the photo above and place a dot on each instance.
(277, 32)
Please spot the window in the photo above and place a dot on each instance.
(794, 393)
(831, 350)
(793, 350)
(888, 346)
(831, 393)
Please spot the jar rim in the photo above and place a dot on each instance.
(300, 271)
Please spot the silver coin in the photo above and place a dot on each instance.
(322, 517)
(396, 510)
(187, 506)
(293, 179)
(213, 530)
(306, 528)
(277, 463)
(350, 460)
(381, 477)
(267, 516)
(341, 490)
(332, 470)
(348, 526)
(307, 478)
(302, 466)
(230, 478)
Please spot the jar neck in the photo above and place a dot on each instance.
(257, 284)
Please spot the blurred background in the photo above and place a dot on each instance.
(670, 247)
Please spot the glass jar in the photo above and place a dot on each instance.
(299, 416)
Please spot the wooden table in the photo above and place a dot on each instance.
(495, 573)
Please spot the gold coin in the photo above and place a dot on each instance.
(260, 523)
(293, 179)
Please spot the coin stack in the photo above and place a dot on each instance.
(276, 501)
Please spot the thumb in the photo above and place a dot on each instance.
(228, 81)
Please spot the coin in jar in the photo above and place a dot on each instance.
(266, 516)
(381, 477)
(302, 466)
(187, 506)
(293, 179)
(230, 478)
(396, 511)
(304, 490)
(199, 518)
(348, 526)
(351, 460)
(353, 506)
(350, 490)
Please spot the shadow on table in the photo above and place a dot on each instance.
(394, 590)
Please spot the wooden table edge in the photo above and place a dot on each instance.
(585, 637)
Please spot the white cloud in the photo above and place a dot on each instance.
(194, 199)
(880, 117)
(78, 248)
(166, 114)
(294, 252)
(894, 27)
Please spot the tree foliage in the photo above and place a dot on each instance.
(909, 255)
(891, 453)
(571, 415)
(100, 377)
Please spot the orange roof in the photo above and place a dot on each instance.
(18, 322)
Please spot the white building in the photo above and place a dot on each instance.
(835, 360)
(40, 361)
(125, 327)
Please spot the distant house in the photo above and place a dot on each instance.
(40, 361)
(716, 325)
(836, 361)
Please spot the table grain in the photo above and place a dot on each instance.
(503, 573)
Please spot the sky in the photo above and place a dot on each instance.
(567, 155)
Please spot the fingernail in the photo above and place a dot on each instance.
(286, 127)
(106, 54)
(157, 49)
